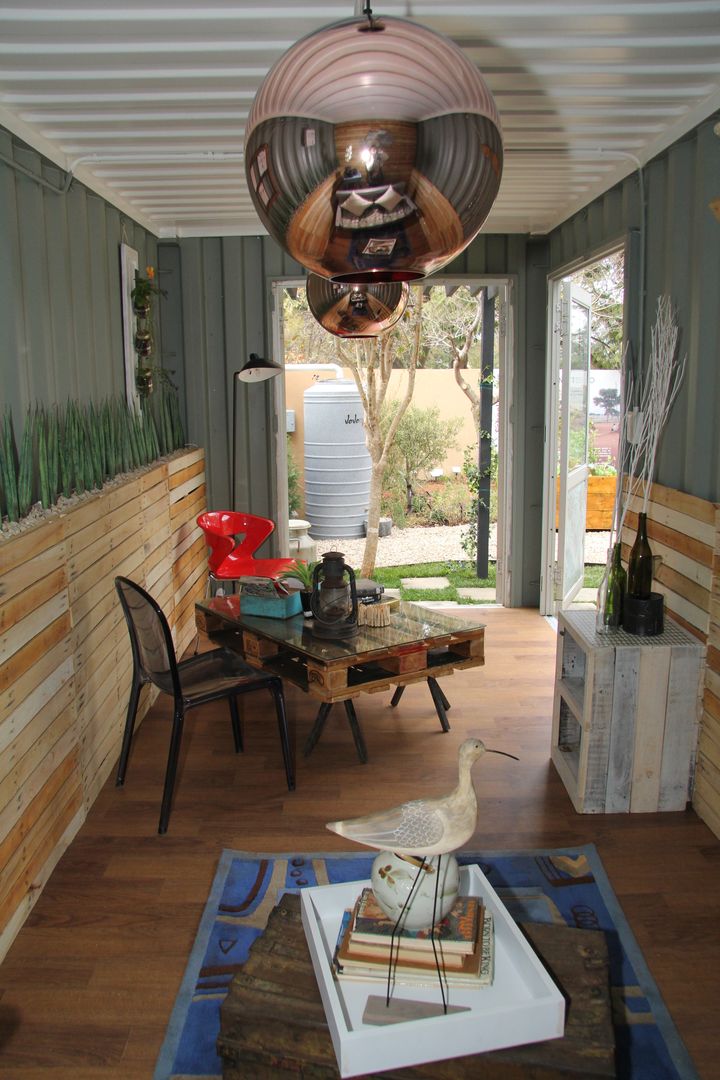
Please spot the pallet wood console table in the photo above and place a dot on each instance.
(625, 716)
(419, 644)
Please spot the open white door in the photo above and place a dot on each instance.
(567, 446)
(573, 468)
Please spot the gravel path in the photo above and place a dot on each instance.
(442, 544)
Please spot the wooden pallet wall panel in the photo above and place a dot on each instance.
(65, 658)
(706, 799)
(684, 532)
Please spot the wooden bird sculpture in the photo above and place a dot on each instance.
(424, 826)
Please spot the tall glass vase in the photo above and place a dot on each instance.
(640, 563)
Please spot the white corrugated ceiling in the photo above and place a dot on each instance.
(146, 102)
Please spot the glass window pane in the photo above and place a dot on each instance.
(578, 397)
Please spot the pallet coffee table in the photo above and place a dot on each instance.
(272, 1022)
(419, 643)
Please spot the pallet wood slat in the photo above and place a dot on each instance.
(65, 658)
(625, 716)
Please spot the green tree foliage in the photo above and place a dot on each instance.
(604, 281)
(422, 440)
(293, 480)
(609, 402)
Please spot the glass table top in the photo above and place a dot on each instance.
(410, 624)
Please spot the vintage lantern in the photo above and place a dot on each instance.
(334, 601)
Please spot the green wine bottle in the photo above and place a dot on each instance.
(640, 565)
(616, 587)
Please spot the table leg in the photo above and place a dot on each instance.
(397, 695)
(439, 700)
(444, 700)
(356, 732)
(317, 727)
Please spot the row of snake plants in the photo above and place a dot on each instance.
(77, 447)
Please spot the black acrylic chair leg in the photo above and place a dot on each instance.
(171, 770)
(397, 695)
(277, 693)
(236, 729)
(317, 727)
(356, 732)
(439, 701)
(128, 733)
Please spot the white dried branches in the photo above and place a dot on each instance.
(662, 382)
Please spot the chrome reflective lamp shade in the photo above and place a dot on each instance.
(373, 151)
(356, 310)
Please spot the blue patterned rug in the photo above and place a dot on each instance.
(568, 885)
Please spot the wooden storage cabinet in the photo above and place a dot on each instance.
(625, 716)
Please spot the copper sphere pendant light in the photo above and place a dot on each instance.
(373, 151)
(356, 310)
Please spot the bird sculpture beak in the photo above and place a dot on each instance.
(503, 752)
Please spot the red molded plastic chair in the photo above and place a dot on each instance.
(233, 539)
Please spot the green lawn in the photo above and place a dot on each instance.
(461, 575)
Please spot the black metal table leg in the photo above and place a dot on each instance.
(356, 732)
(439, 700)
(444, 700)
(397, 695)
(317, 727)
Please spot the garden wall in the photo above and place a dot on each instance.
(65, 660)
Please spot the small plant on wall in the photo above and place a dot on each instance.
(142, 296)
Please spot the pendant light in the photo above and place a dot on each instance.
(373, 151)
(356, 310)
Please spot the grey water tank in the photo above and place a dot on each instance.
(337, 462)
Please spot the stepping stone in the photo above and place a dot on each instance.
(425, 583)
(477, 594)
(392, 592)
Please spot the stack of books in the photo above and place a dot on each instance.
(464, 942)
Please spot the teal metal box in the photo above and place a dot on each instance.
(271, 607)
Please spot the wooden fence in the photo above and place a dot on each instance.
(65, 660)
(684, 532)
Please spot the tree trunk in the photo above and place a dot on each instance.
(373, 524)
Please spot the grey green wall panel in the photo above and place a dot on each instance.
(681, 257)
(60, 321)
(60, 303)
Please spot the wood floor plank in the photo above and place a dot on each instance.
(111, 933)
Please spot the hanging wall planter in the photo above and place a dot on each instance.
(144, 381)
(143, 342)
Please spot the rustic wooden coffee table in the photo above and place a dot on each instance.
(272, 1022)
(419, 643)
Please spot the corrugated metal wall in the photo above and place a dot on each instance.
(60, 303)
(222, 289)
(682, 259)
(61, 335)
(219, 292)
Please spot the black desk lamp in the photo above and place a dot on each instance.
(255, 369)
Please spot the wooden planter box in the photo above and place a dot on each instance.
(600, 502)
(65, 658)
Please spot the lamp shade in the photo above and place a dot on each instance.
(255, 369)
(356, 310)
(373, 151)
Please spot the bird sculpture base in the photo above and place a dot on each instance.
(414, 892)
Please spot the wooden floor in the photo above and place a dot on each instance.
(88, 986)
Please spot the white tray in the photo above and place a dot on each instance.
(523, 1005)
